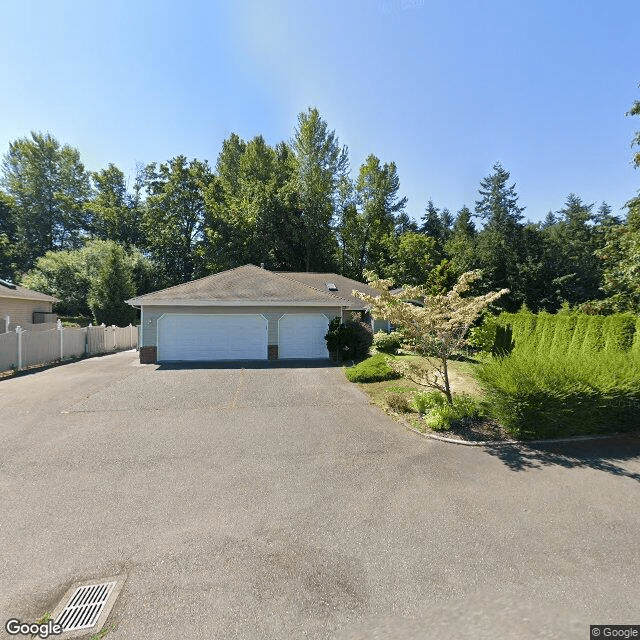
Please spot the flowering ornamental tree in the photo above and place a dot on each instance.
(436, 330)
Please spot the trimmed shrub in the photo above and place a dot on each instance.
(398, 402)
(534, 396)
(579, 332)
(348, 340)
(635, 347)
(563, 334)
(618, 331)
(373, 369)
(543, 335)
(387, 342)
(593, 337)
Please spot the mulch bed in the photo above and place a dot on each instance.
(482, 429)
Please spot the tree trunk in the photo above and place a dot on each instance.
(447, 388)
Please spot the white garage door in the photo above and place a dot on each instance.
(212, 337)
(302, 336)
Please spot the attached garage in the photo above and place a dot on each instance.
(246, 313)
(212, 337)
(301, 335)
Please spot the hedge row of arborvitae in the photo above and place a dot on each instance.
(569, 332)
(564, 374)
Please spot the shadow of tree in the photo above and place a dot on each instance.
(603, 454)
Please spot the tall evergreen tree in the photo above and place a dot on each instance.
(447, 219)
(499, 244)
(460, 247)
(49, 186)
(321, 164)
(377, 190)
(432, 222)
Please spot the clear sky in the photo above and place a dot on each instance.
(444, 89)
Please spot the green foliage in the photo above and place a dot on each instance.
(174, 216)
(425, 401)
(350, 340)
(70, 275)
(398, 402)
(320, 165)
(537, 396)
(635, 347)
(414, 259)
(483, 337)
(387, 342)
(49, 186)
(571, 333)
(443, 417)
(376, 190)
(110, 290)
(593, 338)
(373, 369)
(115, 214)
(618, 332)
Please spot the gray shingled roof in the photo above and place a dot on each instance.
(345, 286)
(8, 290)
(244, 285)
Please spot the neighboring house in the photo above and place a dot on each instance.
(247, 313)
(23, 306)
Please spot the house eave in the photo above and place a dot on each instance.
(137, 302)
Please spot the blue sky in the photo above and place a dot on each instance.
(443, 89)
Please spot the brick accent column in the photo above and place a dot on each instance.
(148, 355)
(272, 352)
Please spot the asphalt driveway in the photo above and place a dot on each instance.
(277, 503)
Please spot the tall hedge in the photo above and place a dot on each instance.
(563, 334)
(572, 333)
(594, 338)
(635, 347)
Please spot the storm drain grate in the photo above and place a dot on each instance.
(84, 606)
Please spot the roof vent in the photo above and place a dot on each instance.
(9, 285)
(332, 286)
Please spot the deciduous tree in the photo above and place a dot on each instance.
(437, 329)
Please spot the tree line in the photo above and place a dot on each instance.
(89, 236)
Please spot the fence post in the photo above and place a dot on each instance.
(59, 328)
(130, 335)
(19, 332)
(113, 326)
(7, 320)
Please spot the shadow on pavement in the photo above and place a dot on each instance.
(247, 364)
(602, 454)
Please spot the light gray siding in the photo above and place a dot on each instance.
(150, 315)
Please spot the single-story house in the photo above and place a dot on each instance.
(20, 306)
(247, 313)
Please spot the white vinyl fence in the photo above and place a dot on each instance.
(20, 349)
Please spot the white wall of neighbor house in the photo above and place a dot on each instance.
(21, 311)
(150, 315)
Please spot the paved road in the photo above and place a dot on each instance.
(278, 504)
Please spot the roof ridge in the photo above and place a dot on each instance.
(308, 286)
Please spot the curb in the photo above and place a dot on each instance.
(506, 443)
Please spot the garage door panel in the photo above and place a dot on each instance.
(302, 336)
(212, 337)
